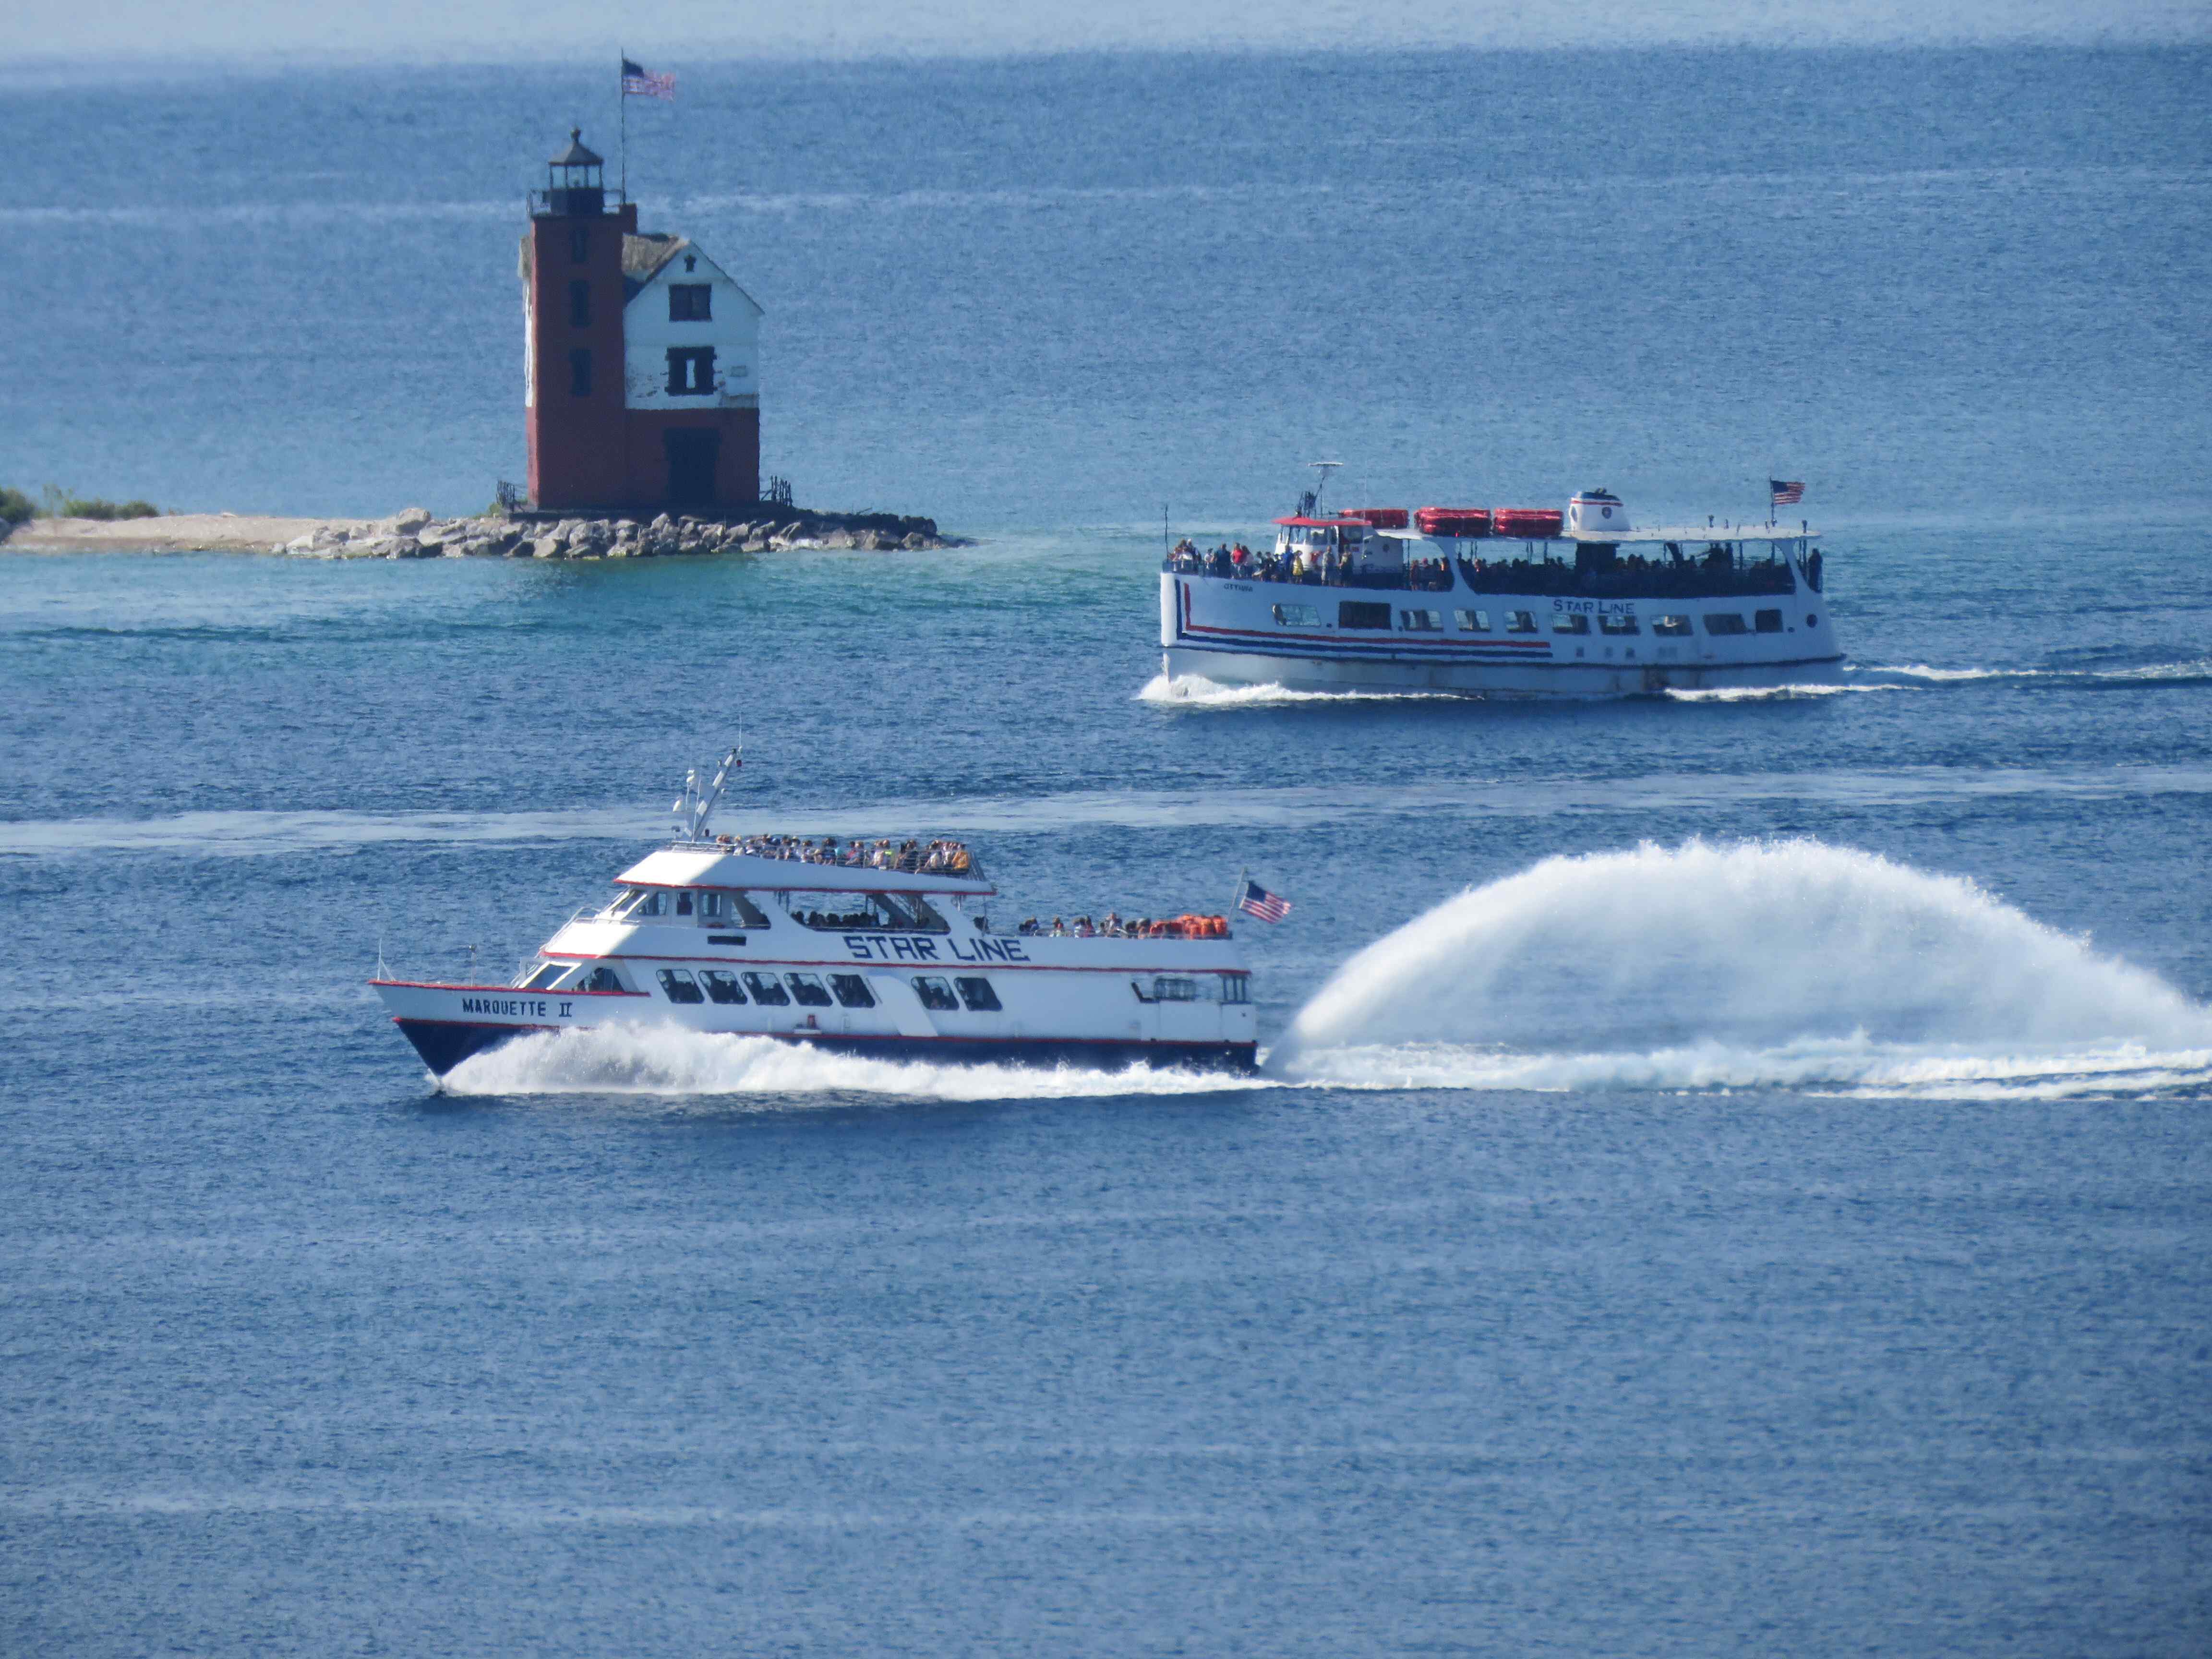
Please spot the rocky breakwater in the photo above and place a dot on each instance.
(415, 534)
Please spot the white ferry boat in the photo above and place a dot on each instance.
(1500, 601)
(874, 947)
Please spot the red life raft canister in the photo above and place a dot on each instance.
(1530, 523)
(1380, 517)
(1453, 521)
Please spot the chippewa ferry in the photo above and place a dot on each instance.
(1500, 601)
(864, 947)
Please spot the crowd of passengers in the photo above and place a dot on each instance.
(1325, 567)
(936, 858)
(1328, 567)
(1114, 927)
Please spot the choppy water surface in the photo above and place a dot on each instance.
(1730, 1176)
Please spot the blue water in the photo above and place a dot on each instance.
(1789, 1237)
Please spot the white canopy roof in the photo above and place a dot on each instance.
(712, 867)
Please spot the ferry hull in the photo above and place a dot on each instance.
(1226, 666)
(444, 1044)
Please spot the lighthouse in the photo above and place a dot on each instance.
(641, 358)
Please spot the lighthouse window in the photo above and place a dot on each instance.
(1421, 622)
(853, 990)
(1564, 624)
(935, 993)
(690, 302)
(1767, 622)
(1672, 628)
(1520, 621)
(978, 995)
(1725, 621)
(580, 245)
(766, 991)
(579, 305)
(721, 985)
(691, 371)
(1616, 625)
(806, 990)
(1473, 622)
(579, 373)
(679, 985)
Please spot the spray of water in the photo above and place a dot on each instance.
(667, 1060)
(1792, 963)
(1196, 691)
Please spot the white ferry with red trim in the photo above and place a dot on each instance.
(1500, 601)
(873, 947)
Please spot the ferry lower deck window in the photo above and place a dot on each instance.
(978, 995)
(1297, 615)
(767, 992)
(721, 985)
(1473, 622)
(1725, 621)
(1671, 627)
(1421, 622)
(1237, 987)
(1357, 613)
(935, 993)
(1767, 622)
(853, 990)
(806, 991)
(1616, 625)
(601, 978)
(1172, 988)
(1520, 621)
(1564, 624)
(680, 985)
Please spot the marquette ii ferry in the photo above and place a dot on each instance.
(1505, 601)
(866, 947)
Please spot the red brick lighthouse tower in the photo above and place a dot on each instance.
(640, 359)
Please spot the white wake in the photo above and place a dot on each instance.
(1196, 691)
(1789, 963)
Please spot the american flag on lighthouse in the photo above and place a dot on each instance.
(637, 83)
(1786, 492)
(1259, 902)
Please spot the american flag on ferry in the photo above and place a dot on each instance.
(1786, 492)
(1257, 900)
(637, 83)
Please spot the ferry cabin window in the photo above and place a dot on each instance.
(1297, 615)
(1171, 988)
(1237, 987)
(1616, 625)
(1767, 622)
(721, 985)
(690, 302)
(729, 910)
(679, 985)
(1421, 622)
(683, 906)
(1725, 621)
(1520, 621)
(1473, 622)
(806, 991)
(639, 903)
(1564, 624)
(935, 993)
(601, 978)
(846, 912)
(978, 995)
(853, 990)
(1356, 613)
(546, 974)
(1672, 628)
(765, 991)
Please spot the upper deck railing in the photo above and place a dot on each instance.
(1717, 571)
(954, 859)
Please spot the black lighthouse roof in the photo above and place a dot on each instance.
(576, 155)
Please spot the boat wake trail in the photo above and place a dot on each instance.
(1920, 675)
(1791, 964)
(665, 1060)
(1196, 691)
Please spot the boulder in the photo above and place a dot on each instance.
(548, 547)
(915, 542)
(406, 521)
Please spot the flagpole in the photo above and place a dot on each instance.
(1239, 893)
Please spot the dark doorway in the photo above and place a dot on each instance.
(692, 454)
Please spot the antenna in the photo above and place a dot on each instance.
(695, 806)
(1323, 468)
